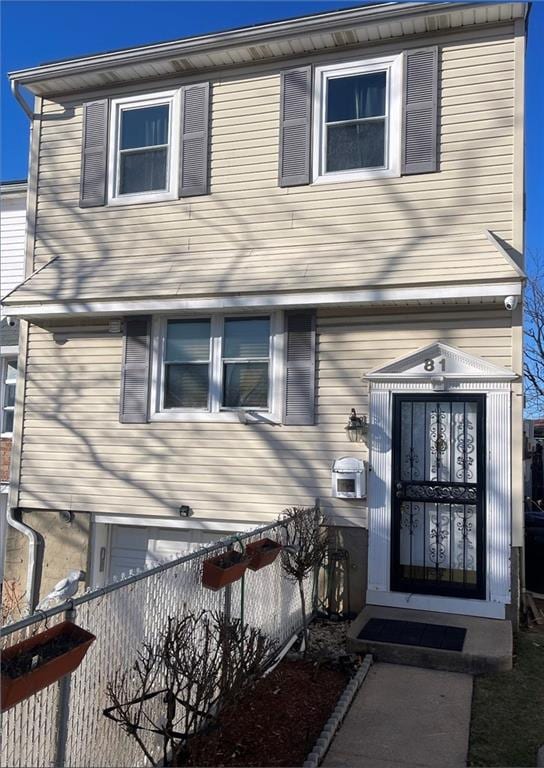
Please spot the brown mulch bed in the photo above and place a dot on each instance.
(276, 723)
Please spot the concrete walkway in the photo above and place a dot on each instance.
(405, 717)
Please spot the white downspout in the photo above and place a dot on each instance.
(34, 545)
(20, 98)
(35, 541)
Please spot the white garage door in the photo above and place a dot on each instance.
(137, 547)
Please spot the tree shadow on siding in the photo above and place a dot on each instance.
(295, 467)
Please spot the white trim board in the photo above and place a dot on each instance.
(185, 523)
(482, 608)
(268, 301)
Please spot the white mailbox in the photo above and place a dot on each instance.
(348, 478)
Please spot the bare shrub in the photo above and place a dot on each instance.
(303, 551)
(178, 685)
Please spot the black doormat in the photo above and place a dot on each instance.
(414, 633)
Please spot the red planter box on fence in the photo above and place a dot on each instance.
(224, 569)
(74, 639)
(263, 552)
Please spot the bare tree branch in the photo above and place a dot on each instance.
(178, 685)
(533, 366)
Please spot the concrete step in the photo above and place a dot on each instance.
(487, 647)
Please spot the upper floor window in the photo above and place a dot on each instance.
(144, 148)
(8, 370)
(357, 120)
(216, 365)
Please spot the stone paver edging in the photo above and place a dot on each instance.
(331, 726)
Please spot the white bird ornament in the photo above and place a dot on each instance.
(64, 590)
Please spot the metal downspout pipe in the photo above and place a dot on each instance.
(35, 553)
(22, 101)
(35, 540)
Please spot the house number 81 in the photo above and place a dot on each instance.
(429, 364)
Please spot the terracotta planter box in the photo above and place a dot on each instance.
(43, 659)
(224, 569)
(263, 552)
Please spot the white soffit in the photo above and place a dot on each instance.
(283, 39)
(440, 360)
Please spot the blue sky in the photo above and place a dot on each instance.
(34, 32)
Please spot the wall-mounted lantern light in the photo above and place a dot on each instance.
(357, 427)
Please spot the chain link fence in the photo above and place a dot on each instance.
(63, 724)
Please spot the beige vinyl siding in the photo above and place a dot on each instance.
(249, 234)
(223, 471)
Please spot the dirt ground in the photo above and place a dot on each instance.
(277, 722)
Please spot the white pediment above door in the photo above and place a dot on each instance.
(440, 361)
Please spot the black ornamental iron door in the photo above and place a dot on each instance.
(438, 495)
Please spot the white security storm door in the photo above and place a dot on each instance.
(138, 547)
(437, 542)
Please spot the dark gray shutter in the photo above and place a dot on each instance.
(295, 127)
(94, 151)
(300, 368)
(133, 406)
(421, 111)
(195, 118)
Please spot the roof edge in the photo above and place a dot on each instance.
(500, 246)
(375, 295)
(13, 187)
(242, 36)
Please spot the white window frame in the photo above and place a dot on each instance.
(392, 65)
(215, 411)
(4, 382)
(172, 99)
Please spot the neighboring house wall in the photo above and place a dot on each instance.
(12, 235)
(12, 272)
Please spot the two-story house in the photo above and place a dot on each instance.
(12, 272)
(238, 238)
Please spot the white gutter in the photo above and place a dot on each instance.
(35, 548)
